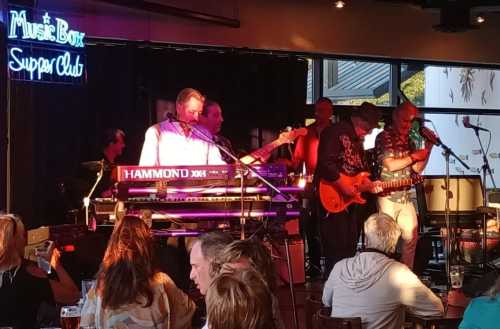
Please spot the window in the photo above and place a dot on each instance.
(309, 97)
(451, 86)
(354, 82)
(465, 144)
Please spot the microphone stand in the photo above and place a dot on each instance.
(485, 169)
(86, 199)
(244, 167)
(451, 235)
(207, 138)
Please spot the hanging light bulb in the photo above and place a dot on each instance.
(339, 4)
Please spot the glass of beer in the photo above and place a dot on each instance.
(456, 276)
(70, 317)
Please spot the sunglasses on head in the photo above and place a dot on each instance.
(12, 219)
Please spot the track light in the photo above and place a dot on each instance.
(339, 4)
(480, 19)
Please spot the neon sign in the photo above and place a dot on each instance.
(62, 65)
(45, 51)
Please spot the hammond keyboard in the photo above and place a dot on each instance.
(209, 172)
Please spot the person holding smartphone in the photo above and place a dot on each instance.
(23, 285)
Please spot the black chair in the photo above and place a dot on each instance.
(325, 321)
(312, 305)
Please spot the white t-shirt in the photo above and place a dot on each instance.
(165, 144)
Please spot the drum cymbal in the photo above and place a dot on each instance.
(96, 165)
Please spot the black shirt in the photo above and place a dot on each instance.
(340, 151)
(20, 296)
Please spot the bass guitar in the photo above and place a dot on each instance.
(334, 201)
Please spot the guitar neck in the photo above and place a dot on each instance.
(264, 151)
(397, 183)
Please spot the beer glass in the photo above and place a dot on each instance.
(70, 317)
(86, 286)
(457, 276)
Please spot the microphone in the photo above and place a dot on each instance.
(421, 121)
(171, 117)
(467, 124)
(430, 136)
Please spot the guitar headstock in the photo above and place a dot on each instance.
(290, 136)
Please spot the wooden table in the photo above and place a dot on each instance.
(451, 319)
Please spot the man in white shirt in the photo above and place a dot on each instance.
(175, 143)
(375, 287)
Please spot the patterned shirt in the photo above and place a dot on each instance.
(171, 309)
(340, 150)
(390, 144)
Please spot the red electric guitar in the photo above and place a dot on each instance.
(334, 201)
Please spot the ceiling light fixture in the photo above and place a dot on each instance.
(339, 4)
(480, 19)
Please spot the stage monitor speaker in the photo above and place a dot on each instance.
(465, 197)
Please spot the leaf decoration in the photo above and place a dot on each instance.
(467, 81)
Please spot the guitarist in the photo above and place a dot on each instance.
(398, 159)
(341, 154)
(306, 154)
(211, 118)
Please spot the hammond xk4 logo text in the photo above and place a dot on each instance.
(44, 48)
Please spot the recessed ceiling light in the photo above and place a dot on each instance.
(339, 4)
(480, 19)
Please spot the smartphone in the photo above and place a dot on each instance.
(43, 254)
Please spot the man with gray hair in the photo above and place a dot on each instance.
(202, 254)
(375, 287)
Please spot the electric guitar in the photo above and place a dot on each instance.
(262, 154)
(334, 201)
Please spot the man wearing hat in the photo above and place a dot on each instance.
(341, 154)
(399, 159)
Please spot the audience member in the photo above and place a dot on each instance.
(250, 253)
(23, 286)
(203, 253)
(239, 300)
(130, 292)
(483, 312)
(375, 287)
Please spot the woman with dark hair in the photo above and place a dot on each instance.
(130, 292)
(23, 286)
(483, 312)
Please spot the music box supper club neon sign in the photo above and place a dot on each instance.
(46, 51)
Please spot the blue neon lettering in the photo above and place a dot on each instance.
(64, 65)
(59, 33)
